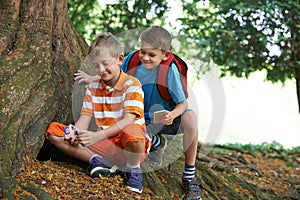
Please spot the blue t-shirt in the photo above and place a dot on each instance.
(152, 99)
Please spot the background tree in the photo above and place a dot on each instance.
(247, 36)
(92, 17)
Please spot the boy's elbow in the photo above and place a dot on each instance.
(184, 103)
(131, 118)
(131, 121)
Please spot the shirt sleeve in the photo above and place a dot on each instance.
(175, 86)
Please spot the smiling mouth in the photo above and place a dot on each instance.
(104, 75)
(147, 63)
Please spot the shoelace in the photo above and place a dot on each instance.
(97, 162)
(135, 177)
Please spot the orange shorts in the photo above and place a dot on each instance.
(111, 148)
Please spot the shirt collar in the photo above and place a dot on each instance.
(119, 85)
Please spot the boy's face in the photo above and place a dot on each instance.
(107, 67)
(151, 57)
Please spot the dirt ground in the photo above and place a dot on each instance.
(69, 181)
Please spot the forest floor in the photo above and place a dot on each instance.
(274, 172)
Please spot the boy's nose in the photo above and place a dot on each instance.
(100, 69)
(145, 58)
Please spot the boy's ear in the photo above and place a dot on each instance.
(120, 60)
(166, 55)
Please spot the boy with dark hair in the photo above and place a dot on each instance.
(155, 49)
(115, 101)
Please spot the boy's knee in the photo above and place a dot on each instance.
(54, 139)
(133, 130)
(137, 148)
(133, 135)
(55, 129)
(190, 114)
(190, 117)
(137, 145)
(189, 121)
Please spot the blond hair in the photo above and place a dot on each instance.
(157, 37)
(108, 42)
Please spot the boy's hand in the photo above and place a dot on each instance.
(87, 138)
(72, 141)
(71, 134)
(83, 77)
(168, 118)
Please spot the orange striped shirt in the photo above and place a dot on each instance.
(107, 105)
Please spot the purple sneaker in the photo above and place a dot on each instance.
(134, 179)
(100, 167)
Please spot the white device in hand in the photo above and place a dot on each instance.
(158, 115)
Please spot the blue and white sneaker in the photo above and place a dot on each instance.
(191, 189)
(101, 167)
(133, 179)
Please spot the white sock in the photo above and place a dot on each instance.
(132, 166)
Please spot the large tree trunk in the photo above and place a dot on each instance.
(40, 51)
(298, 87)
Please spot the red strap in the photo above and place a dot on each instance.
(162, 78)
(183, 73)
(133, 63)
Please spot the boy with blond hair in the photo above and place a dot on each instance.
(115, 102)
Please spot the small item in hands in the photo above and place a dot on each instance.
(158, 115)
(71, 132)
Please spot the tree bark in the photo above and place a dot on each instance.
(40, 51)
(295, 50)
(298, 88)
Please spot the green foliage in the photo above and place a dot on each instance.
(93, 17)
(273, 149)
(263, 147)
(240, 36)
(247, 36)
(291, 164)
